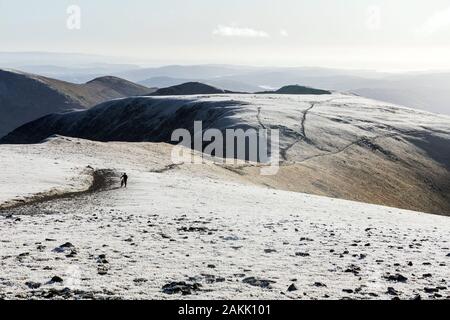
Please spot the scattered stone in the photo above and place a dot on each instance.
(102, 270)
(195, 229)
(209, 278)
(211, 266)
(396, 278)
(392, 291)
(56, 279)
(292, 287)
(427, 275)
(102, 259)
(431, 290)
(139, 280)
(181, 287)
(302, 254)
(33, 285)
(353, 269)
(269, 250)
(347, 290)
(258, 282)
(231, 238)
(64, 247)
(67, 248)
(65, 293)
(319, 284)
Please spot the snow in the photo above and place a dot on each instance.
(27, 171)
(171, 223)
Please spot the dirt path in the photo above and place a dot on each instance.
(102, 179)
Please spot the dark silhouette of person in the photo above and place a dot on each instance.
(124, 180)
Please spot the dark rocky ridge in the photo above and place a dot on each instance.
(188, 88)
(296, 89)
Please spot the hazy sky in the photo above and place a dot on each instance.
(376, 34)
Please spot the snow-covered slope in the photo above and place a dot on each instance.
(201, 230)
(333, 145)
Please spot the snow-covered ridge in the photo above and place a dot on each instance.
(334, 145)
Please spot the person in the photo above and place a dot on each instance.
(124, 180)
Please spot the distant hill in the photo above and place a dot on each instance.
(226, 84)
(189, 88)
(296, 89)
(25, 97)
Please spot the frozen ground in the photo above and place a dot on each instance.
(204, 227)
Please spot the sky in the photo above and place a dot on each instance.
(357, 34)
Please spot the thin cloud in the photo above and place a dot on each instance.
(234, 31)
(435, 23)
(284, 33)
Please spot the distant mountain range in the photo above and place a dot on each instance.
(25, 97)
(428, 91)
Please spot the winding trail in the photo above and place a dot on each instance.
(102, 180)
(167, 168)
(305, 114)
(258, 117)
(358, 142)
(303, 137)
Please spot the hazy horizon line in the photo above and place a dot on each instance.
(142, 63)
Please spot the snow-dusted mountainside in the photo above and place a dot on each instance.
(197, 232)
(333, 145)
(25, 97)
